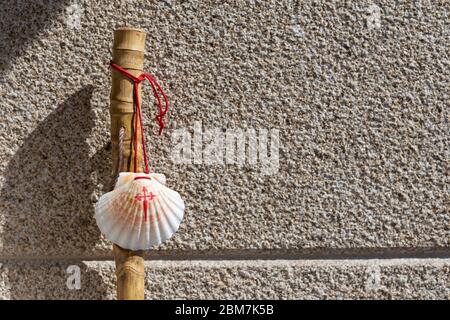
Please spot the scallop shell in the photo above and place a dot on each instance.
(140, 212)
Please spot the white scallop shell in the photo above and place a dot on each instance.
(140, 212)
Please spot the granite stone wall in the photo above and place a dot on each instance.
(353, 97)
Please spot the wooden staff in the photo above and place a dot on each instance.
(128, 52)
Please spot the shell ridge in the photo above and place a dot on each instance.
(170, 218)
(155, 226)
(118, 231)
(121, 230)
(134, 234)
(105, 223)
(166, 226)
(179, 205)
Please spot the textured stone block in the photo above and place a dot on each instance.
(281, 279)
(361, 112)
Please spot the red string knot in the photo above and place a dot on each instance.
(157, 90)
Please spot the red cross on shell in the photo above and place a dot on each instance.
(145, 197)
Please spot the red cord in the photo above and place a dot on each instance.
(138, 116)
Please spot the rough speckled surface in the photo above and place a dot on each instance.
(279, 279)
(362, 113)
(362, 118)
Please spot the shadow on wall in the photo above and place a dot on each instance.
(21, 21)
(47, 197)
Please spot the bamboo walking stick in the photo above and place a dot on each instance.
(128, 51)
